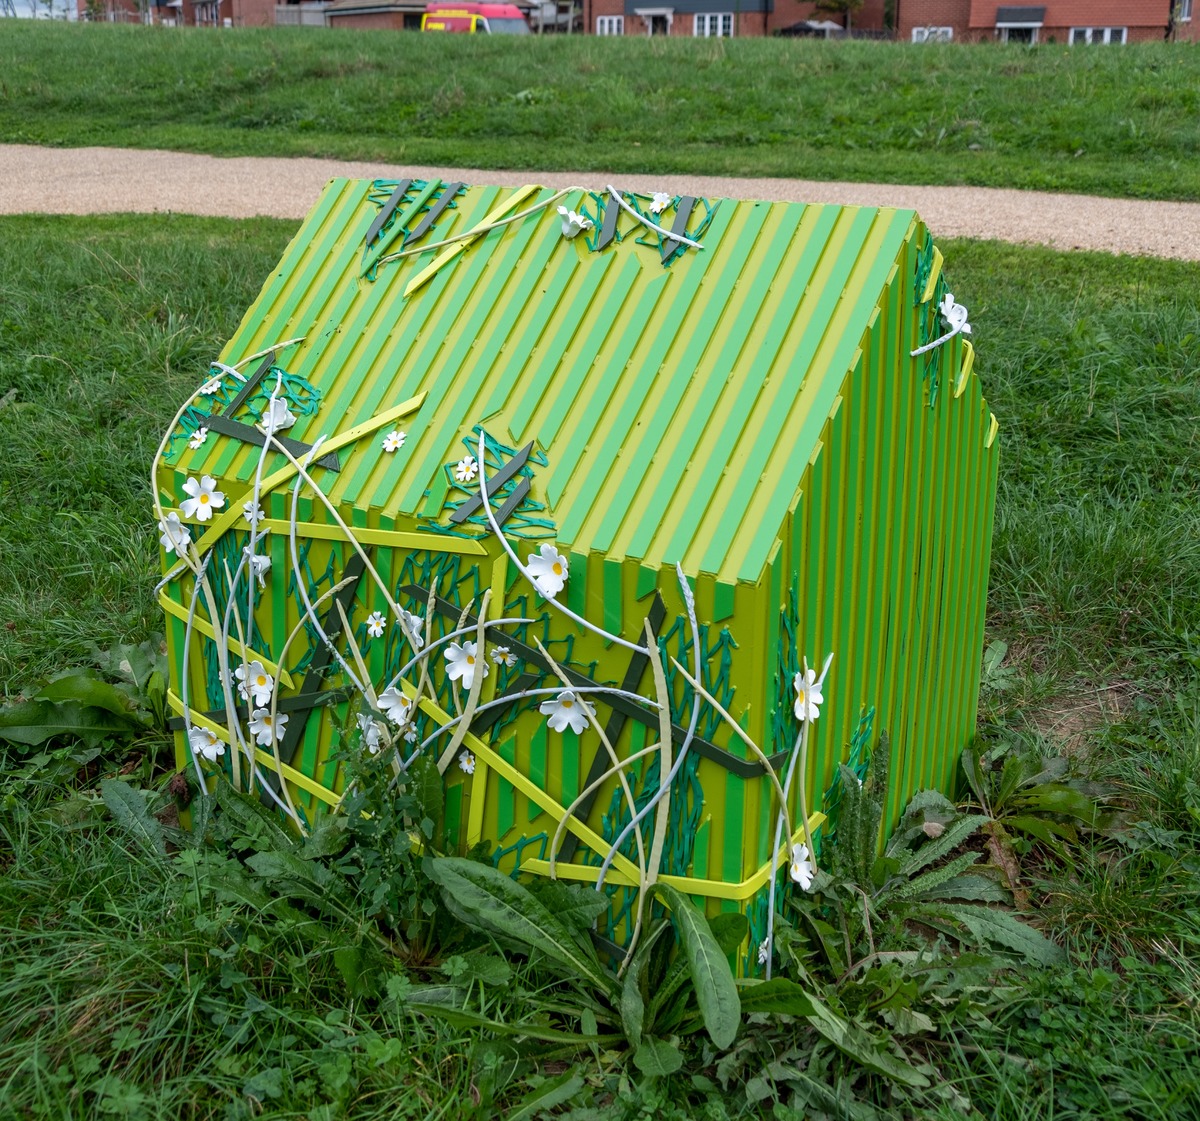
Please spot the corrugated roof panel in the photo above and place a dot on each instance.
(676, 405)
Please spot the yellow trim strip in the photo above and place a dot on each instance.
(713, 889)
(447, 255)
(267, 760)
(206, 628)
(968, 363)
(934, 273)
(991, 436)
(434, 542)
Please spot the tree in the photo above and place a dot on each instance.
(846, 7)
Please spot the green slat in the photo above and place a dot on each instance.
(506, 814)
(612, 596)
(537, 764)
(453, 813)
(731, 838)
(570, 767)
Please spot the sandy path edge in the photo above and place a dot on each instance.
(108, 180)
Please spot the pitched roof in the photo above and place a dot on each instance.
(677, 404)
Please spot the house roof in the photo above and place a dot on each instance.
(1074, 13)
(677, 405)
(1020, 15)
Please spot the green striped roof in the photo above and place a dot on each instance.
(677, 404)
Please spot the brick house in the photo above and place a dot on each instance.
(1077, 22)
(710, 18)
(185, 13)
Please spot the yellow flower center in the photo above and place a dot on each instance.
(567, 702)
(470, 659)
(556, 568)
(261, 681)
(203, 499)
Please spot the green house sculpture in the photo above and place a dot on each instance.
(659, 384)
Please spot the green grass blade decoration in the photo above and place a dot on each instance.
(497, 903)
(715, 991)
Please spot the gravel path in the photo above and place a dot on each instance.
(99, 180)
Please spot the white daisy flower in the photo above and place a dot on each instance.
(415, 625)
(376, 621)
(395, 705)
(213, 385)
(254, 683)
(955, 315)
(370, 733)
(467, 762)
(461, 663)
(252, 512)
(174, 534)
(394, 440)
(808, 695)
(567, 710)
(203, 498)
(266, 729)
(503, 656)
(259, 565)
(466, 469)
(198, 437)
(572, 223)
(410, 734)
(802, 868)
(660, 202)
(206, 744)
(549, 569)
(277, 417)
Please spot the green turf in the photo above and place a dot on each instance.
(137, 986)
(1122, 122)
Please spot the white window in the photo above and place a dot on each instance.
(1184, 11)
(932, 34)
(1097, 35)
(713, 24)
(610, 25)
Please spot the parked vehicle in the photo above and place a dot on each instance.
(490, 19)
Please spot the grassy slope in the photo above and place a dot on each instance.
(1120, 122)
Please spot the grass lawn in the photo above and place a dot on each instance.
(1121, 122)
(146, 986)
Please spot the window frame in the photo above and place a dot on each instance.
(1101, 36)
(932, 34)
(610, 25)
(703, 19)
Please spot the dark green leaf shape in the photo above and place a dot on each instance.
(1001, 928)
(128, 807)
(729, 929)
(657, 1058)
(715, 991)
(86, 689)
(260, 824)
(780, 995)
(497, 903)
(775, 996)
(633, 1003)
(577, 906)
(34, 722)
(558, 1091)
